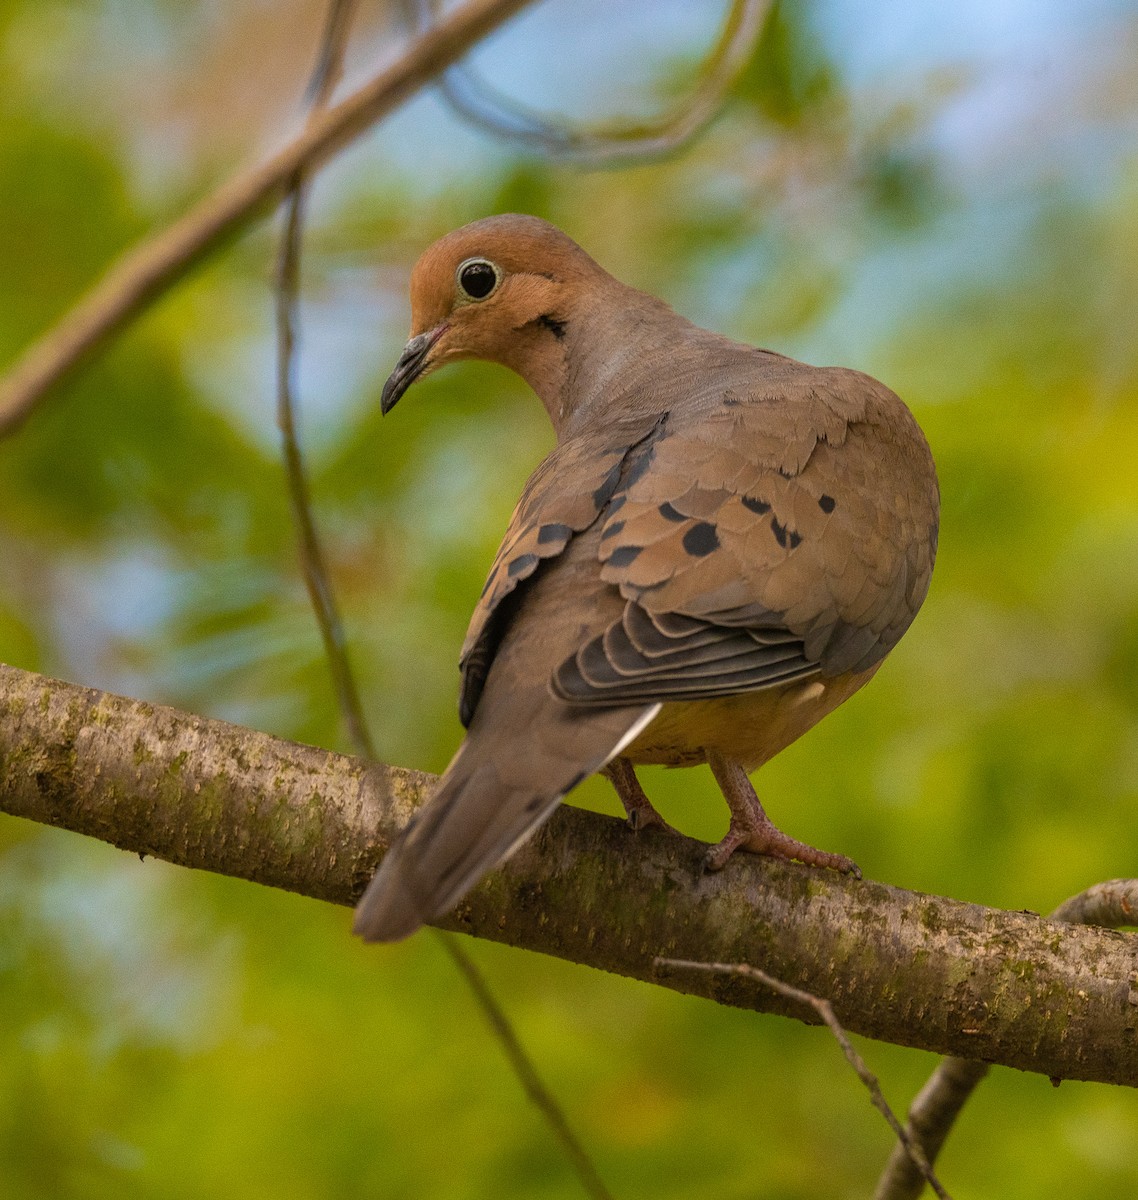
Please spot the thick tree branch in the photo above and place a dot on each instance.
(150, 268)
(924, 971)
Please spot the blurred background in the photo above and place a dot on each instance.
(945, 196)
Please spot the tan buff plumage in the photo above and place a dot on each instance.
(722, 547)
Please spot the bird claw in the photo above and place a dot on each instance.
(640, 818)
(766, 838)
(641, 814)
(751, 829)
(647, 817)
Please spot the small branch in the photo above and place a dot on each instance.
(148, 270)
(330, 64)
(1110, 905)
(931, 1118)
(924, 971)
(527, 1074)
(933, 1113)
(906, 1144)
(310, 551)
(485, 107)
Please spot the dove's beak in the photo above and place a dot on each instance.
(412, 363)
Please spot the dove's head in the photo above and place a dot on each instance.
(506, 289)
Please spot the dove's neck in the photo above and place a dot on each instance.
(606, 354)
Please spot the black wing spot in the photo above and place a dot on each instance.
(701, 539)
(611, 530)
(827, 503)
(622, 556)
(489, 582)
(755, 505)
(524, 562)
(553, 533)
(669, 513)
(554, 324)
(785, 536)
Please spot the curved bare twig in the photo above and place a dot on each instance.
(311, 554)
(907, 1145)
(484, 106)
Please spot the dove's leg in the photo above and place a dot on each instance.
(641, 814)
(751, 828)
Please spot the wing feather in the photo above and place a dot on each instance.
(749, 537)
(762, 522)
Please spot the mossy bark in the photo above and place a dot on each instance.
(925, 971)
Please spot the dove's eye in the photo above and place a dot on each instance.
(477, 278)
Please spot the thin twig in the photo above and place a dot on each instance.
(524, 1069)
(482, 105)
(322, 595)
(931, 1118)
(933, 1113)
(824, 1010)
(146, 272)
(330, 65)
(312, 562)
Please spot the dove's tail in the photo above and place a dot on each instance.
(492, 797)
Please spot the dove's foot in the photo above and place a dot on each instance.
(751, 829)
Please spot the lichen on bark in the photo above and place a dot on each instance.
(917, 970)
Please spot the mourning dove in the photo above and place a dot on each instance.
(722, 547)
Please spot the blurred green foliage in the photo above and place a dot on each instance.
(169, 1034)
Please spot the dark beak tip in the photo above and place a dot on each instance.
(407, 369)
(388, 398)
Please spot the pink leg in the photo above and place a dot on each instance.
(751, 829)
(641, 814)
